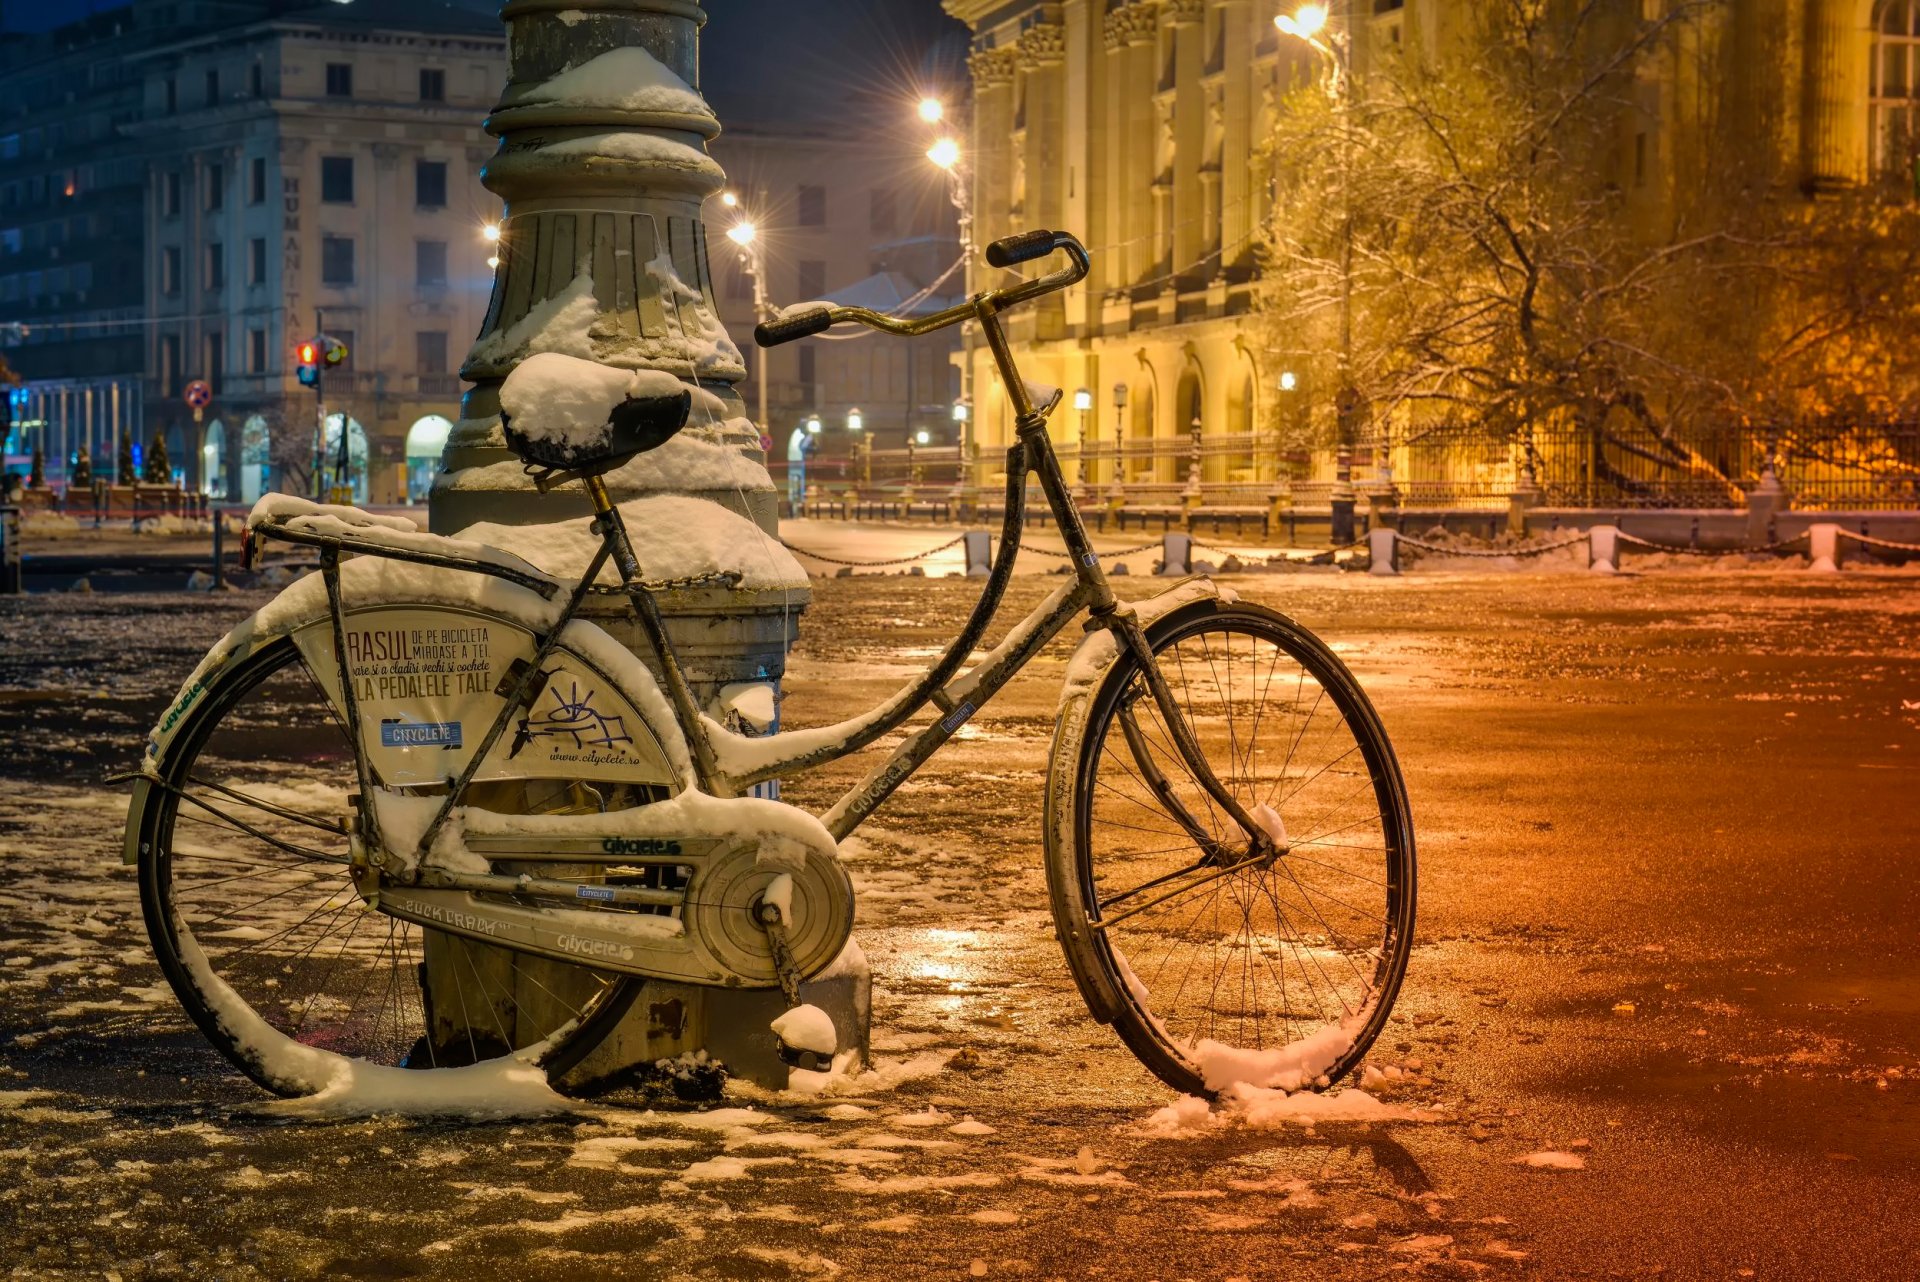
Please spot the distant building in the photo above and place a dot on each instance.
(320, 164)
(1137, 125)
(183, 184)
(852, 221)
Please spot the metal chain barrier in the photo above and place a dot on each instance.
(719, 579)
(1531, 549)
(1870, 541)
(1281, 552)
(898, 560)
(1067, 556)
(1679, 550)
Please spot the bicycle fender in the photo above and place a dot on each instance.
(1089, 667)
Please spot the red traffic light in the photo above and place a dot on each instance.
(309, 353)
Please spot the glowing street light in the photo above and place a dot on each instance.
(959, 411)
(730, 200)
(945, 153)
(491, 232)
(742, 233)
(932, 110)
(493, 261)
(1289, 380)
(854, 421)
(813, 425)
(921, 437)
(1306, 22)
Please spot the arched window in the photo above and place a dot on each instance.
(1893, 98)
(425, 441)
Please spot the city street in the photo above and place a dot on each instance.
(1662, 1019)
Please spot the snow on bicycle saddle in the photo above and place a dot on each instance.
(572, 415)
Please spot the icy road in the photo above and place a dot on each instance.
(1663, 1014)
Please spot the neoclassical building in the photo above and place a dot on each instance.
(1137, 124)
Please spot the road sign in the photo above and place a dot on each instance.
(199, 394)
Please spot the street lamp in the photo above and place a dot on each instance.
(744, 234)
(1083, 401)
(1307, 23)
(932, 110)
(490, 232)
(921, 437)
(741, 234)
(945, 153)
(960, 414)
(855, 422)
(1116, 491)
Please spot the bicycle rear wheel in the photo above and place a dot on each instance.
(249, 904)
(1220, 968)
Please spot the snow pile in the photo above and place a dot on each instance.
(554, 397)
(1551, 1160)
(511, 1086)
(807, 1028)
(636, 146)
(675, 537)
(1285, 1068)
(1259, 1109)
(556, 324)
(280, 509)
(624, 79)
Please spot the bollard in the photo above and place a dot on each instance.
(12, 577)
(1824, 546)
(219, 551)
(1384, 544)
(1176, 553)
(1603, 549)
(979, 547)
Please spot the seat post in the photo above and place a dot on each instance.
(612, 529)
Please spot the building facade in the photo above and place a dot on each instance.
(1138, 124)
(852, 220)
(190, 189)
(317, 172)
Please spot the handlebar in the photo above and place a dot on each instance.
(1020, 248)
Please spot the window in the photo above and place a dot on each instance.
(339, 80)
(433, 84)
(257, 81)
(216, 265)
(336, 180)
(813, 206)
(430, 262)
(216, 187)
(257, 181)
(807, 370)
(813, 280)
(1893, 93)
(257, 261)
(256, 351)
(170, 196)
(172, 96)
(430, 351)
(170, 270)
(336, 260)
(213, 86)
(169, 364)
(883, 211)
(216, 366)
(430, 184)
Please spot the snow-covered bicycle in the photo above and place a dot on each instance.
(428, 729)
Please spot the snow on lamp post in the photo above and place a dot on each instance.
(601, 257)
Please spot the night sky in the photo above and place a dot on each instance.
(786, 60)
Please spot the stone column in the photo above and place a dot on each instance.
(1138, 25)
(603, 169)
(1833, 154)
(1236, 147)
(1189, 120)
(1043, 51)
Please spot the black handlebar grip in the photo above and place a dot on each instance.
(788, 328)
(1023, 247)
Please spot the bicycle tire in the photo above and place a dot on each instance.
(1122, 943)
(244, 1005)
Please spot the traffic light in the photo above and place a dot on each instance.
(335, 349)
(308, 356)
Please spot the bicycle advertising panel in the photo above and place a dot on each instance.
(425, 681)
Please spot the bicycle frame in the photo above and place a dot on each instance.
(956, 699)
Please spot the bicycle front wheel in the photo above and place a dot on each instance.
(1221, 968)
(254, 918)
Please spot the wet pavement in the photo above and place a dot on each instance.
(1668, 836)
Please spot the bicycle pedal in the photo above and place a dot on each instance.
(811, 1061)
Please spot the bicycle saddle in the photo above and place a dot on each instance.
(634, 426)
